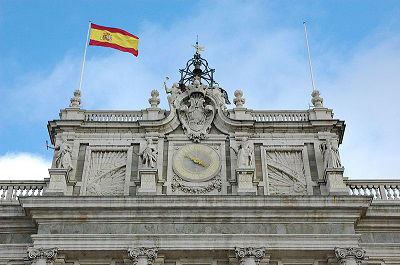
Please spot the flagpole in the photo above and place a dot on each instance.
(84, 55)
(309, 57)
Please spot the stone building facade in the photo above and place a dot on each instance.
(198, 184)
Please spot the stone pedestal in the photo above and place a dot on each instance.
(349, 256)
(72, 113)
(245, 177)
(153, 114)
(41, 256)
(142, 256)
(241, 114)
(320, 113)
(334, 181)
(58, 182)
(148, 182)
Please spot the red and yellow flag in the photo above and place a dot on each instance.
(114, 38)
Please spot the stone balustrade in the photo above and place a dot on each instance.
(257, 115)
(113, 116)
(388, 190)
(10, 190)
(285, 115)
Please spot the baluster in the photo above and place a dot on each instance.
(351, 187)
(382, 190)
(390, 192)
(397, 193)
(9, 193)
(377, 192)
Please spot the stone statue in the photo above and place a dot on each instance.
(62, 156)
(245, 154)
(330, 153)
(218, 92)
(149, 154)
(174, 91)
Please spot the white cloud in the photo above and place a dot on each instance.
(365, 92)
(23, 166)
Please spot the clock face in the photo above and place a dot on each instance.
(196, 162)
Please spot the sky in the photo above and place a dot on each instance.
(255, 46)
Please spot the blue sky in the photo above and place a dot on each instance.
(256, 46)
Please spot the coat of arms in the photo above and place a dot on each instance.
(195, 113)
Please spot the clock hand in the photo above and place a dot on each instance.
(196, 160)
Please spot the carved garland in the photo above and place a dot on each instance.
(215, 184)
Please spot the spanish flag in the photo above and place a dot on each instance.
(115, 38)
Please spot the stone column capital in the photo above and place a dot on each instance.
(256, 254)
(138, 255)
(40, 255)
(351, 255)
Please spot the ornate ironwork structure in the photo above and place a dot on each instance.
(197, 68)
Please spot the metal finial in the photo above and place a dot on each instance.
(197, 47)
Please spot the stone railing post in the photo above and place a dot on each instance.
(250, 255)
(142, 256)
(350, 256)
(41, 256)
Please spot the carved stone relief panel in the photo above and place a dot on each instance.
(285, 171)
(105, 172)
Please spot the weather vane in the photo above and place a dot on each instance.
(197, 47)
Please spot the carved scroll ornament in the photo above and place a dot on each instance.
(149, 253)
(257, 253)
(41, 253)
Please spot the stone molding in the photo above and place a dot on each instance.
(249, 252)
(135, 254)
(35, 254)
(351, 255)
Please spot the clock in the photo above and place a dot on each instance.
(196, 162)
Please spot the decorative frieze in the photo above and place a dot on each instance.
(142, 256)
(250, 255)
(41, 256)
(350, 256)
